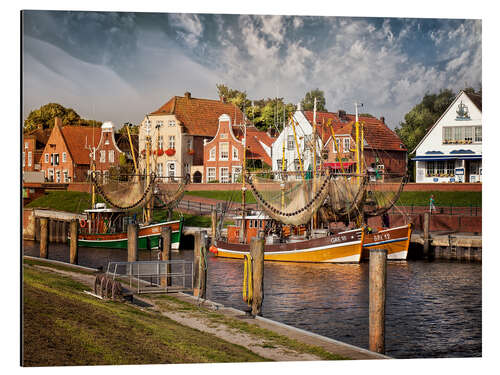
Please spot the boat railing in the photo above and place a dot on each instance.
(160, 276)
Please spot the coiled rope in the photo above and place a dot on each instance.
(248, 280)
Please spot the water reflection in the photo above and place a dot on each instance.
(433, 309)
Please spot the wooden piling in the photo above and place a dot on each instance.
(214, 225)
(73, 242)
(44, 237)
(257, 254)
(132, 232)
(378, 281)
(427, 217)
(166, 235)
(199, 265)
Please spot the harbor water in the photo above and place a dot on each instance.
(433, 309)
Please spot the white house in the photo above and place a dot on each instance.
(286, 139)
(451, 151)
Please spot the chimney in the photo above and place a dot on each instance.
(58, 121)
(382, 118)
(187, 95)
(342, 115)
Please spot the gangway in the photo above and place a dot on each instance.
(153, 276)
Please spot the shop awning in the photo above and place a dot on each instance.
(447, 157)
(337, 165)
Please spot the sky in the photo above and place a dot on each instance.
(119, 66)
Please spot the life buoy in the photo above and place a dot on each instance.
(83, 223)
(213, 249)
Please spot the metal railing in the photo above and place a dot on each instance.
(154, 276)
(440, 210)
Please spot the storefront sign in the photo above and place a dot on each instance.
(459, 171)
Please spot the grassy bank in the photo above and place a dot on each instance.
(407, 198)
(63, 326)
(77, 202)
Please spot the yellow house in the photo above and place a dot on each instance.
(178, 130)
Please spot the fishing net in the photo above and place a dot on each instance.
(124, 192)
(289, 198)
(383, 192)
(169, 191)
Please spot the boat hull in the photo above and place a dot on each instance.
(395, 240)
(345, 248)
(149, 233)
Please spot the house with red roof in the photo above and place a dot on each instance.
(178, 131)
(224, 153)
(383, 149)
(67, 153)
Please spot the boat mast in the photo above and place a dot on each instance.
(313, 218)
(243, 186)
(357, 145)
(147, 211)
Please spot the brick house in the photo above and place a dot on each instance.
(178, 130)
(33, 145)
(66, 156)
(223, 155)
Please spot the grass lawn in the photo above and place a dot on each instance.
(232, 195)
(442, 198)
(63, 326)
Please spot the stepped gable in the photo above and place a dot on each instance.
(78, 139)
(378, 135)
(199, 116)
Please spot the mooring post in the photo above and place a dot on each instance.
(73, 244)
(257, 254)
(166, 235)
(214, 224)
(427, 220)
(199, 265)
(132, 232)
(44, 237)
(378, 281)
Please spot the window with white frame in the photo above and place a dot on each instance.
(235, 153)
(160, 142)
(223, 136)
(159, 170)
(468, 133)
(187, 168)
(346, 145)
(46, 158)
(224, 151)
(159, 123)
(50, 175)
(280, 164)
(224, 174)
(103, 156)
(236, 174)
(111, 156)
(171, 122)
(430, 168)
(211, 154)
(25, 144)
(290, 143)
(58, 176)
(64, 157)
(65, 176)
(190, 144)
(478, 137)
(171, 141)
(450, 167)
(30, 158)
(211, 174)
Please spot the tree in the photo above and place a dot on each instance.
(236, 97)
(308, 102)
(421, 117)
(46, 114)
